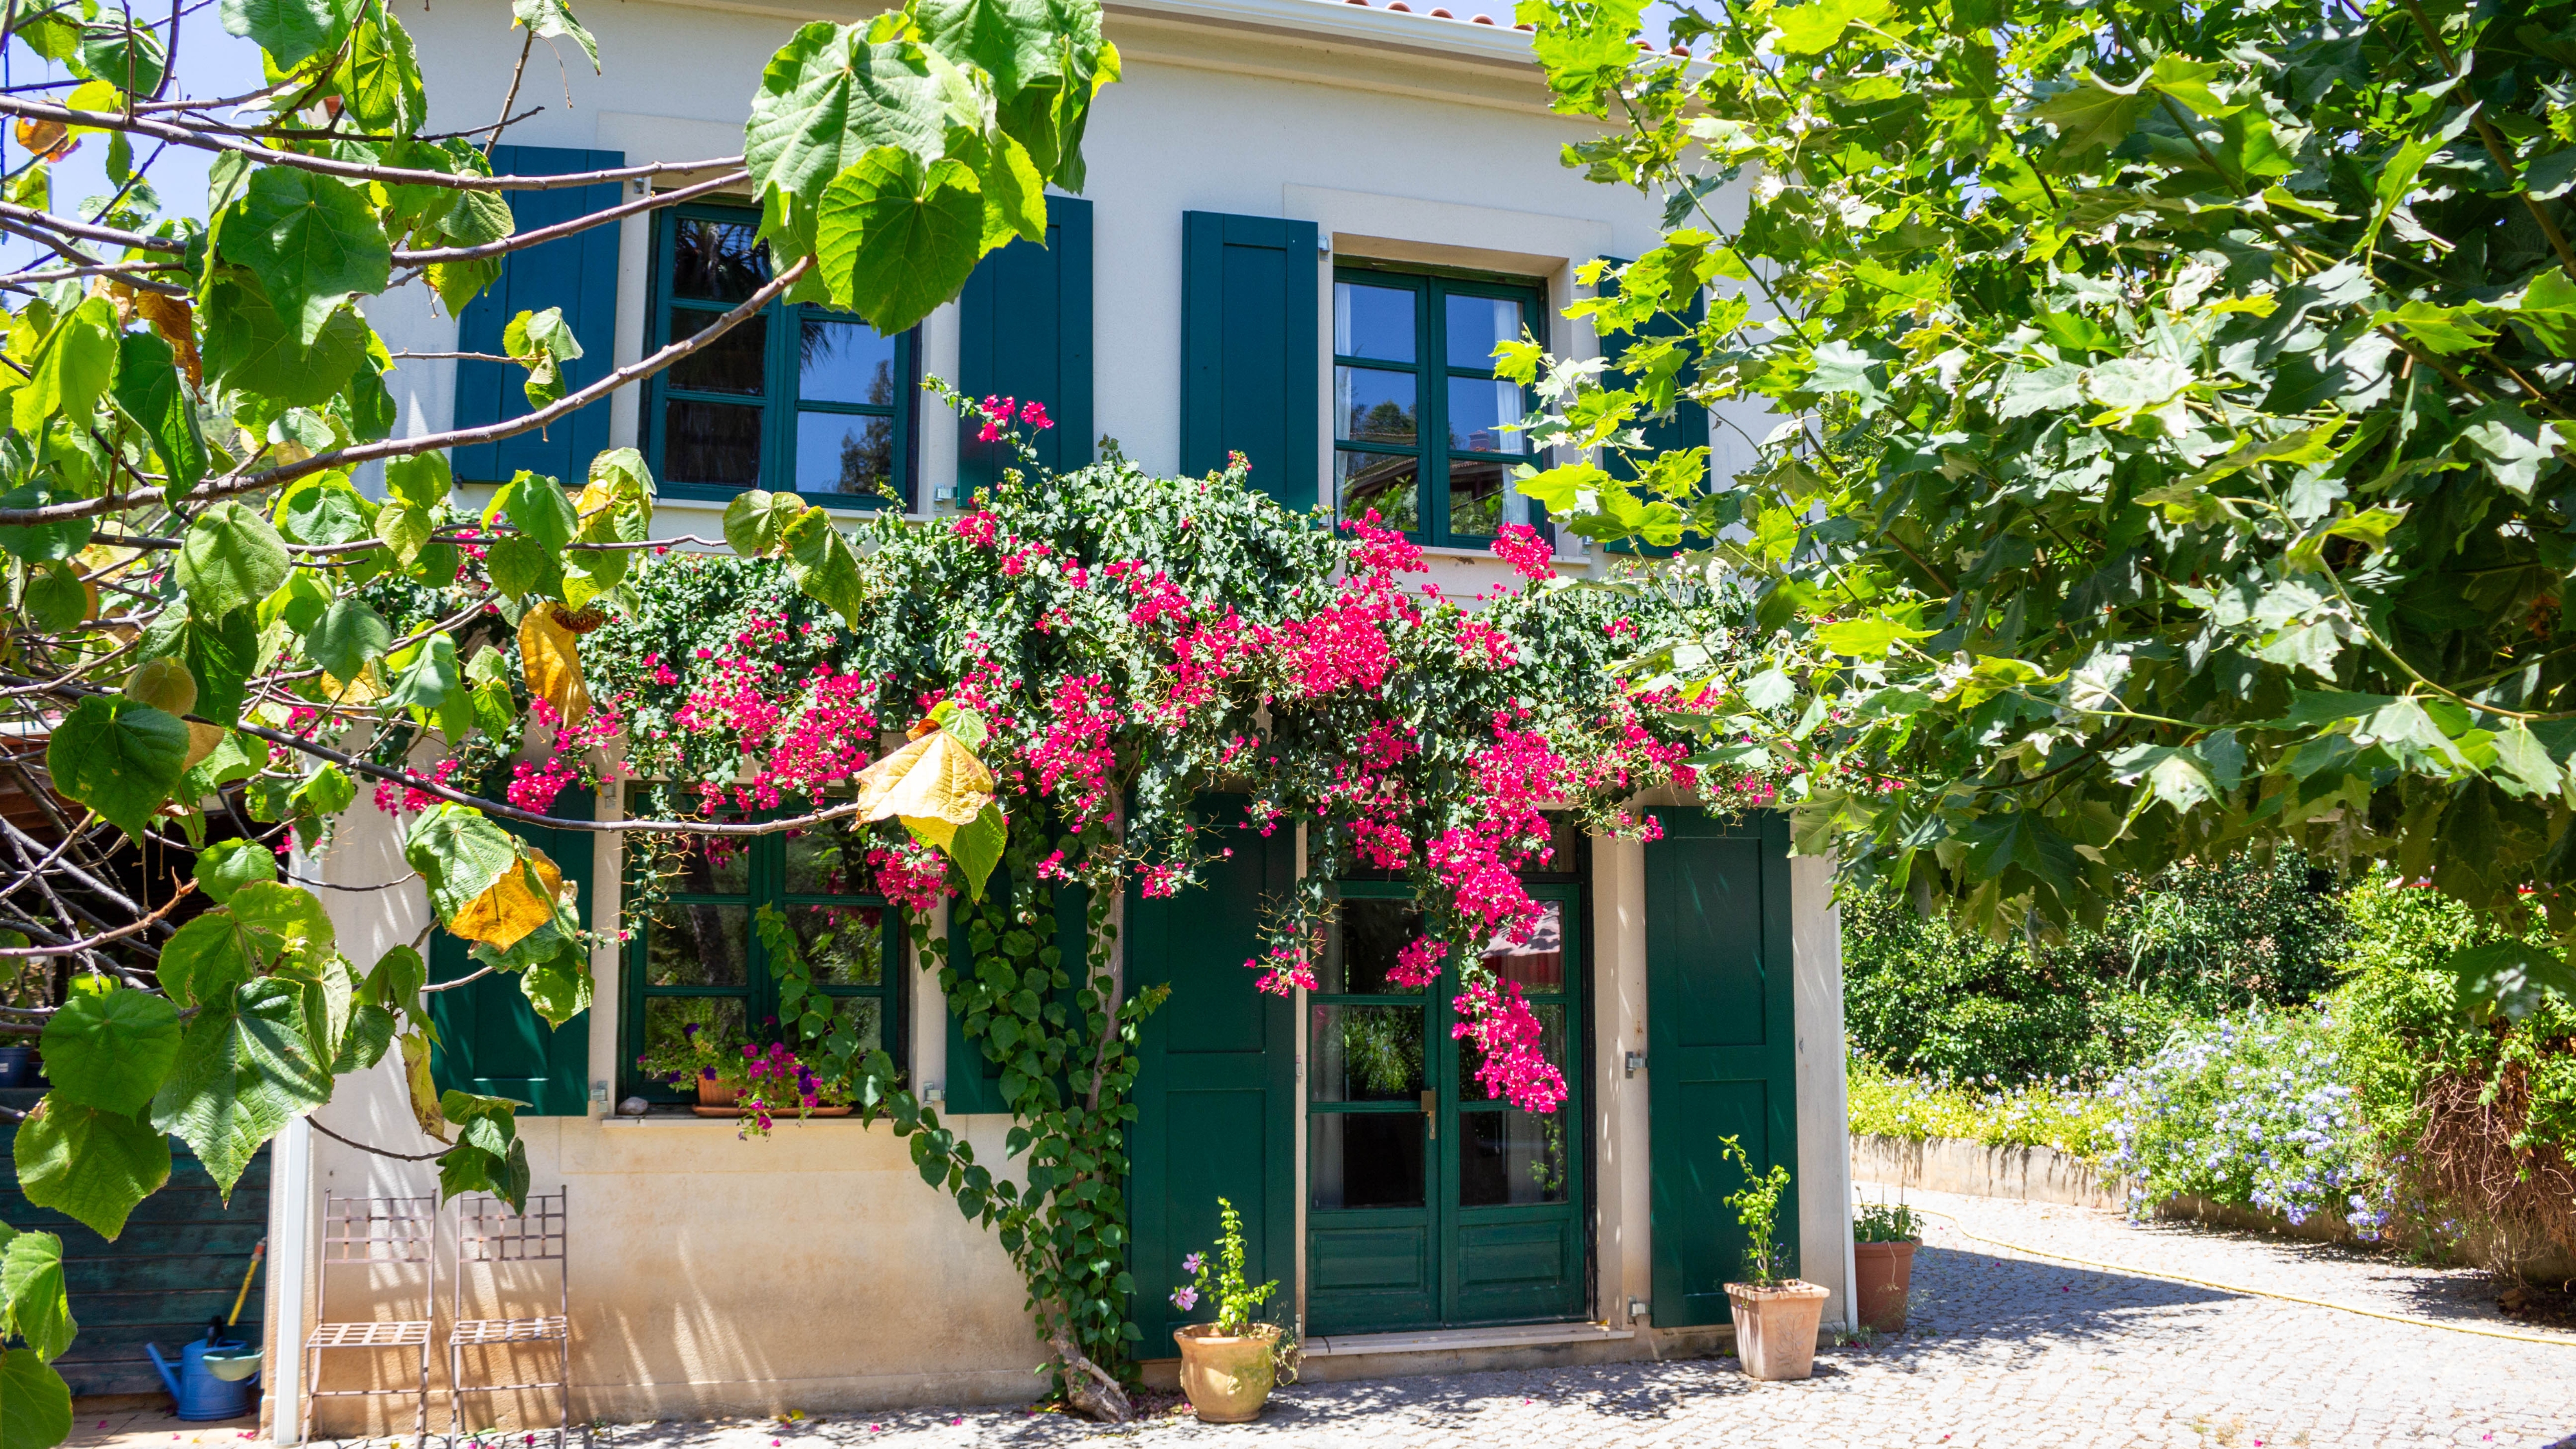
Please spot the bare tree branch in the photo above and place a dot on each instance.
(578, 224)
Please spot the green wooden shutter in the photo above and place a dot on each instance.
(1024, 331)
(577, 273)
(1216, 1086)
(974, 1078)
(1686, 428)
(490, 1040)
(1720, 1046)
(1248, 360)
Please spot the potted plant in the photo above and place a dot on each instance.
(1884, 1238)
(700, 1055)
(1775, 1315)
(777, 1082)
(1227, 1367)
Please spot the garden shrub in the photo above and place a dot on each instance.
(2057, 1115)
(2193, 942)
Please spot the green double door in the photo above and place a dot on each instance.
(1430, 1202)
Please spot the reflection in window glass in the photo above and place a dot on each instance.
(849, 453)
(1510, 1159)
(707, 865)
(1367, 1053)
(1373, 321)
(865, 1018)
(1476, 324)
(830, 859)
(717, 260)
(734, 362)
(668, 1018)
(1476, 493)
(1373, 405)
(697, 945)
(1389, 486)
(844, 362)
(1363, 943)
(1480, 411)
(842, 945)
(1538, 963)
(710, 443)
(1366, 1160)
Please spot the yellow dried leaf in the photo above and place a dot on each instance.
(174, 319)
(597, 497)
(357, 693)
(424, 1092)
(550, 656)
(47, 140)
(932, 785)
(202, 739)
(513, 906)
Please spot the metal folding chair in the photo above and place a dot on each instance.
(487, 1232)
(368, 1233)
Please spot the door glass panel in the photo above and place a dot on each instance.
(1362, 946)
(1373, 405)
(842, 945)
(1480, 408)
(704, 865)
(1510, 1159)
(667, 1020)
(1373, 321)
(1538, 963)
(717, 260)
(711, 443)
(848, 362)
(697, 945)
(1367, 1053)
(1366, 1160)
(1476, 492)
(1386, 484)
(1476, 324)
(1471, 1059)
(734, 361)
(849, 453)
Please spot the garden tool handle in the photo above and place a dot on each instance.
(248, 1273)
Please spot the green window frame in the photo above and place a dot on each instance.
(769, 410)
(1416, 404)
(701, 945)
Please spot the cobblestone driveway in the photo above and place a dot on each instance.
(2007, 1351)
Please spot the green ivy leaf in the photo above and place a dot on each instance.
(899, 238)
(824, 565)
(432, 676)
(312, 242)
(119, 758)
(250, 347)
(110, 1049)
(90, 1165)
(538, 508)
(127, 56)
(2093, 114)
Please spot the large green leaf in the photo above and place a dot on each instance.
(2093, 113)
(432, 676)
(246, 1067)
(35, 1403)
(899, 238)
(248, 346)
(75, 366)
(828, 98)
(537, 507)
(119, 758)
(230, 559)
(825, 566)
(312, 242)
(149, 388)
(380, 77)
(553, 19)
(91, 1165)
(110, 1049)
(205, 959)
(56, 598)
(289, 30)
(460, 854)
(219, 655)
(325, 509)
(128, 56)
(349, 637)
(2510, 979)
(226, 866)
(31, 1277)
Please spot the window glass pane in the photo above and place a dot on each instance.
(865, 1017)
(732, 363)
(1373, 321)
(711, 443)
(696, 945)
(830, 859)
(1367, 1053)
(843, 945)
(1365, 1159)
(848, 453)
(719, 1020)
(1388, 485)
(717, 260)
(703, 865)
(1551, 1044)
(1510, 1159)
(1362, 946)
(1479, 409)
(847, 362)
(1374, 406)
(1538, 963)
(1476, 324)
(1476, 493)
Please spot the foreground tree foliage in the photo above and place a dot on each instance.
(2176, 401)
(199, 651)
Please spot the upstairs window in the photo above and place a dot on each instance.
(800, 399)
(1421, 426)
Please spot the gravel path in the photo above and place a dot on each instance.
(2007, 1350)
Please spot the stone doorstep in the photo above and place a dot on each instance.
(1452, 1340)
(1336, 1357)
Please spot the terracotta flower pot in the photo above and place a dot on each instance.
(712, 1093)
(1885, 1271)
(1775, 1327)
(1227, 1379)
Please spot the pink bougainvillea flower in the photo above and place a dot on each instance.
(1519, 545)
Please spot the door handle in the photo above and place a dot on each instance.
(1431, 1110)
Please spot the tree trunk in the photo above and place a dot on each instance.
(1091, 1388)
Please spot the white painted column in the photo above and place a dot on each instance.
(1824, 1114)
(1621, 1126)
(290, 1183)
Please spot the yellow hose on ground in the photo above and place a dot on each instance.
(2561, 1342)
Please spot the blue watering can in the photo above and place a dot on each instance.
(215, 1378)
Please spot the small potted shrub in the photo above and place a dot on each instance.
(1227, 1367)
(700, 1055)
(1884, 1238)
(1775, 1315)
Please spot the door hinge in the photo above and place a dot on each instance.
(1636, 1063)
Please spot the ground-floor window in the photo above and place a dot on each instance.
(699, 961)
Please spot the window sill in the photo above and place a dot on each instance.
(682, 1117)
